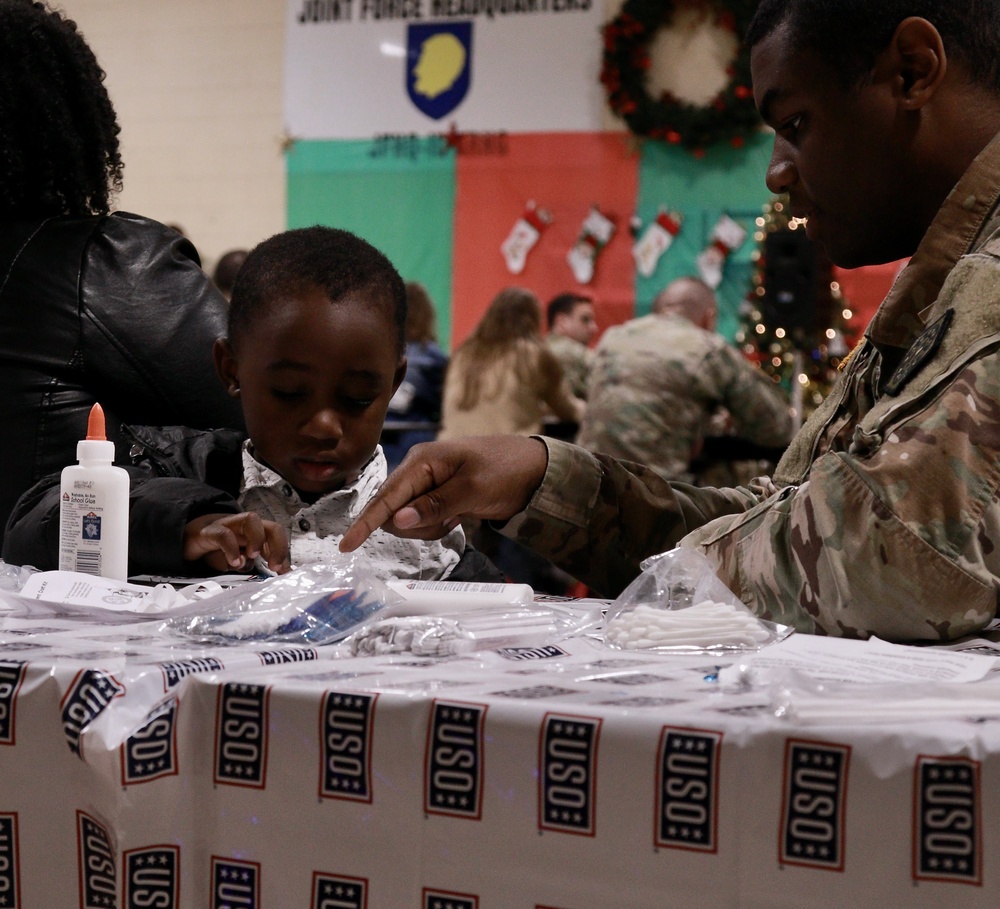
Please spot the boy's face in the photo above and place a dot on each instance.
(315, 379)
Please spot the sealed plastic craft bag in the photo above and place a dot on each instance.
(318, 604)
(678, 605)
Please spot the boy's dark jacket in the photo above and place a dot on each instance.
(177, 474)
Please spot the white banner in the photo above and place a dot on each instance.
(360, 68)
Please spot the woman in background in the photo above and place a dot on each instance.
(94, 306)
(418, 398)
(503, 378)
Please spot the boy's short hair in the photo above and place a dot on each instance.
(296, 261)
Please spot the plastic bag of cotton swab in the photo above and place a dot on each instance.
(678, 605)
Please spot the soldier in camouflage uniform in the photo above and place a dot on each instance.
(571, 327)
(884, 515)
(658, 379)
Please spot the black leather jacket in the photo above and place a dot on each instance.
(113, 309)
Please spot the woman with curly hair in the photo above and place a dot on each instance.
(94, 306)
(503, 378)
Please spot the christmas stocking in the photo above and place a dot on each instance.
(595, 232)
(523, 236)
(727, 235)
(655, 241)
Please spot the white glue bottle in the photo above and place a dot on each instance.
(93, 511)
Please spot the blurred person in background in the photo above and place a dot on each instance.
(224, 273)
(572, 327)
(94, 306)
(657, 380)
(416, 405)
(504, 379)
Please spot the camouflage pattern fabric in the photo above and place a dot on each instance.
(658, 379)
(574, 358)
(883, 517)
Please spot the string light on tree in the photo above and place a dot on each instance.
(793, 320)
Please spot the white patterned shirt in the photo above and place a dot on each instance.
(315, 530)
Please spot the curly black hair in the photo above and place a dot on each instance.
(297, 261)
(58, 130)
(850, 34)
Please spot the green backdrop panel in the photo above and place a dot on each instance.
(397, 192)
(726, 180)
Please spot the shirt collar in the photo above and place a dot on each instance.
(909, 305)
(256, 474)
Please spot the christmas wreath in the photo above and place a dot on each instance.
(729, 116)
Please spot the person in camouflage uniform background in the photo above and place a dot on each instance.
(657, 380)
(571, 327)
(883, 517)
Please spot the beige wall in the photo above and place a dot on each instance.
(198, 89)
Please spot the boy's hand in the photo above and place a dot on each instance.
(438, 483)
(228, 542)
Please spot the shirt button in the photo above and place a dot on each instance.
(303, 525)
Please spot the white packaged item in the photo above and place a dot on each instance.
(434, 597)
(93, 508)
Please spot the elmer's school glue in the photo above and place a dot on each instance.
(93, 512)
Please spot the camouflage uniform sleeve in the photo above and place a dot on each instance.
(896, 537)
(760, 409)
(598, 518)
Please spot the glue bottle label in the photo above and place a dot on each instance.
(80, 520)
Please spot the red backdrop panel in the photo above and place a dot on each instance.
(864, 289)
(565, 173)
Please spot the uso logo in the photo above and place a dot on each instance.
(345, 733)
(180, 669)
(87, 698)
(444, 899)
(812, 809)
(98, 885)
(10, 876)
(235, 885)
(947, 823)
(241, 735)
(335, 892)
(151, 877)
(567, 779)
(687, 787)
(11, 677)
(454, 761)
(151, 751)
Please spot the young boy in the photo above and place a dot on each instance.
(314, 353)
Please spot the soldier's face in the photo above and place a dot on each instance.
(842, 155)
(579, 324)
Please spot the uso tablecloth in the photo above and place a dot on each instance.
(141, 770)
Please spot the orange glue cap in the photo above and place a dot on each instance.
(96, 429)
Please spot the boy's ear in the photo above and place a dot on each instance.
(226, 366)
(399, 374)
